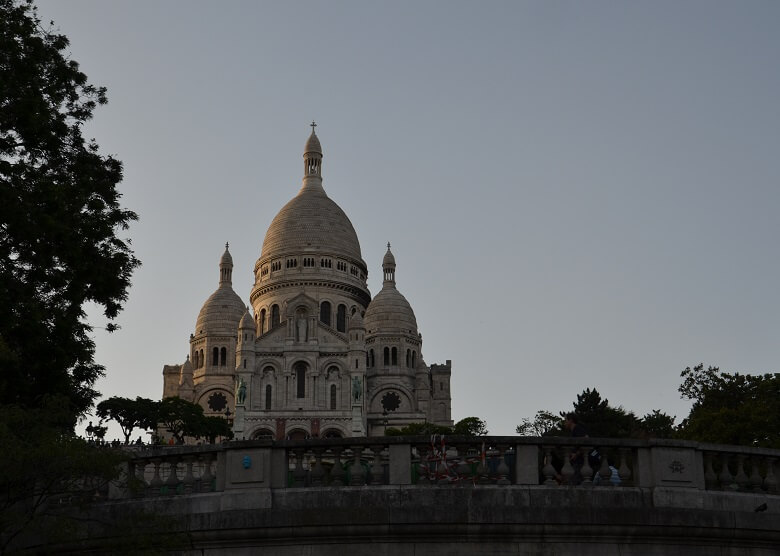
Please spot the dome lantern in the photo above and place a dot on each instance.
(312, 156)
(226, 268)
(388, 266)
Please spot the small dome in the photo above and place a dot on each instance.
(356, 321)
(247, 321)
(312, 144)
(221, 313)
(389, 311)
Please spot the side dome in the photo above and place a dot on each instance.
(389, 311)
(223, 310)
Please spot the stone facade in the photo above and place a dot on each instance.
(315, 355)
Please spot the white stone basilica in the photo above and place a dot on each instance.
(316, 356)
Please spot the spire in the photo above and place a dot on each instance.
(388, 266)
(226, 268)
(312, 158)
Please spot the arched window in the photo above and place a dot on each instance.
(386, 358)
(414, 357)
(300, 377)
(408, 357)
(264, 434)
(325, 312)
(373, 361)
(395, 356)
(201, 359)
(275, 321)
(261, 322)
(215, 357)
(341, 318)
(333, 396)
(223, 357)
(268, 397)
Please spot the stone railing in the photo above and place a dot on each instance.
(449, 461)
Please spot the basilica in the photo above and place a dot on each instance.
(315, 355)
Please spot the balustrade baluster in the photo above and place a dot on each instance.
(442, 473)
(463, 468)
(189, 478)
(567, 471)
(586, 471)
(483, 472)
(605, 473)
(710, 478)
(317, 473)
(206, 478)
(503, 467)
(337, 472)
(547, 469)
(357, 473)
(377, 472)
(770, 481)
(156, 483)
(299, 473)
(755, 476)
(136, 481)
(724, 478)
(423, 467)
(624, 471)
(741, 478)
(172, 483)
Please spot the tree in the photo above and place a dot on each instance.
(470, 426)
(731, 408)
(179, 417)
(600, 420)
(45, 469)
(129, 414)
(544, 424)
(212, 427)
(59, 217)
(657, 424)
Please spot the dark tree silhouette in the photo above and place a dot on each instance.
(59, 217)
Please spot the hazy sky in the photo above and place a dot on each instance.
(578, 194)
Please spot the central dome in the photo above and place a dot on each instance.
(311, 221)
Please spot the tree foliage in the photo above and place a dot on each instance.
(544, 424)
(45, 469)
(129, 414)
(186, 419)
(59, 217)
(731, 408)
(600, 419)
(469, 426)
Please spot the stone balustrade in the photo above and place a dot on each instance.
(579, 463)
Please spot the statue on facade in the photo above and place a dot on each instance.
(301, 329)
(357, 389)
(240, 391)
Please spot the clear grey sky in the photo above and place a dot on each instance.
(578, 194)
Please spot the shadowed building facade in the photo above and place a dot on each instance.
(315, 355)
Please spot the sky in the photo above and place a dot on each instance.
(578, 194)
